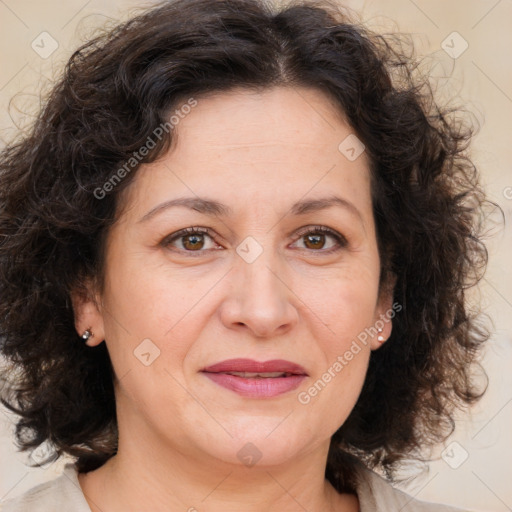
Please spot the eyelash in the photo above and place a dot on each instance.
(340, 239)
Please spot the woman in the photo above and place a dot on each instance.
(233, 258)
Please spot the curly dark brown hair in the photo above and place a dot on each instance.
(116, 89)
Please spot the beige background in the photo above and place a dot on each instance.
(475, 471)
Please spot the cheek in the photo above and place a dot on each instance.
(142, 303)
(345, 311)
(340, 355)
(344, 342)
(350, 310)
(343, 301)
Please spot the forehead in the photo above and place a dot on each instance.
(278, 144)
(242, 119)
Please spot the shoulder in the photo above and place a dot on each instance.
(377, 495)
(61, 493)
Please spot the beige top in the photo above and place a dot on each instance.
(65, 494)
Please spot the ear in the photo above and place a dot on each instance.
(88, 314)
(384, 312)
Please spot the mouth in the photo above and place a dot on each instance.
(263, 375)
(254, 379)
(252, 368)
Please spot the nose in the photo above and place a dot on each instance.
(259, 299)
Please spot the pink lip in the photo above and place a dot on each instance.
(256, 387)
(249, 365)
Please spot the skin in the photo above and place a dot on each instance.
(179, 432)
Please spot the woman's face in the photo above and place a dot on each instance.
(260, 172)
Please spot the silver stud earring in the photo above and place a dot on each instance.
(380, 338)
(87, 334)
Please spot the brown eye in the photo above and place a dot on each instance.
(321, 239)
(314, 241)
(193, 242)
(190, 240)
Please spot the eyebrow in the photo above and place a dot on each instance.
(216, 209)
(199, 204)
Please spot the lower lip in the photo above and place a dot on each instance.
(257, 387)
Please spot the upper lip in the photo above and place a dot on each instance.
(252, 366)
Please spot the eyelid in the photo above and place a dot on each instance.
(188, 231)
(341, 240)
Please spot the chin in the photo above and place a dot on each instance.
(271, 443)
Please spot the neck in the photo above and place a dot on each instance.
(141, 477)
